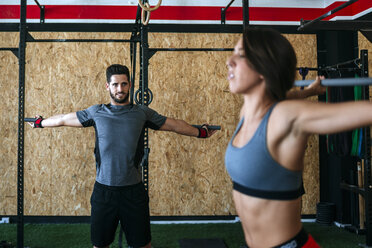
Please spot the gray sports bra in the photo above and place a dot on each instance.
(254, 172)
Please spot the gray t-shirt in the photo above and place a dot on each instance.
(118, 135)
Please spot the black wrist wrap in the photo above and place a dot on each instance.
(37, 123)
(203, 132)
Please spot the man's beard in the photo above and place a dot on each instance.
(124, 100)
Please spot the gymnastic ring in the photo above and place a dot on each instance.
(147, 94)
(148, 8)
(145, 21)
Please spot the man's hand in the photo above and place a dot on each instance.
(37, 122)
(205, 132)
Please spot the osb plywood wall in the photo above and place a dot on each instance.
(187, 175)
(197, 91)
(364, 43)
(8, 120)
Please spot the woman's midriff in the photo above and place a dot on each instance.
(268, 223)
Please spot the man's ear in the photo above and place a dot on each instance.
(107, 86)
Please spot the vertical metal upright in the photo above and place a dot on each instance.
(133, 60)
(144, 97)
(21, 107)
(245, 13)
(367, 157)
(133, 52)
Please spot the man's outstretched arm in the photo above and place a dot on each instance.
(69, 120)
(182, 127)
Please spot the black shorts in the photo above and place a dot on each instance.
(127, 204)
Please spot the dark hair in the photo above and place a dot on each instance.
(116, 69)
(271, 55)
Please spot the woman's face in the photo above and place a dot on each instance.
(241, 76)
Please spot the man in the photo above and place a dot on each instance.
(118, 192)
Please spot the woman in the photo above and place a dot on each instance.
(265, 155)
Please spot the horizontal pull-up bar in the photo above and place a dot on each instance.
(190, 49)
(81, 40)
(11, 49)
(337, 82)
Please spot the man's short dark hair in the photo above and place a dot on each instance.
(116, 69)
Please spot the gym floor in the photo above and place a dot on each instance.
(166, 235)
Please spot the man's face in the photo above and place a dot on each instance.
(119, 87)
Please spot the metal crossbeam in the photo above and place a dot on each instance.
(304, 25)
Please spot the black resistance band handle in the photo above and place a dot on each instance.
(30, 119)
(209, 127)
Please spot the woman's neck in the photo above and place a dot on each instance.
(256, 106)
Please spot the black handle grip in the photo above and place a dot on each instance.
(30, 119)
(209, 127)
